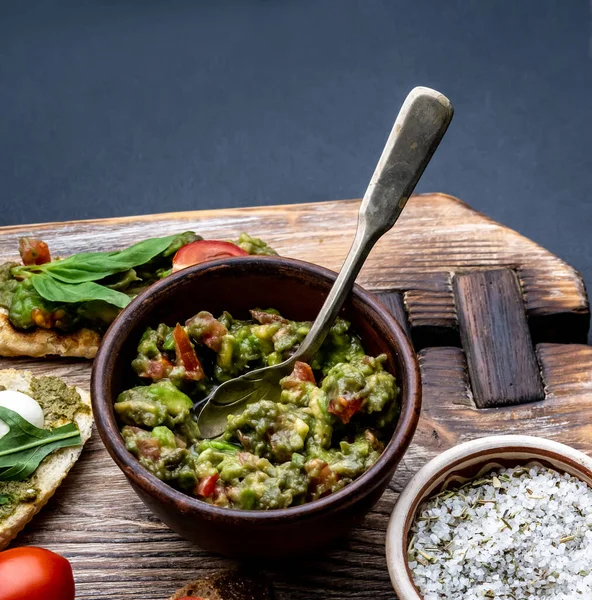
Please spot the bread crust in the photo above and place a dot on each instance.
(52, 471)
(226, 585)
(191, 590)
(39, 342)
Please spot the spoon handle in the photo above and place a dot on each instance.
(420, 125)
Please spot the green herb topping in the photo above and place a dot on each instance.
(24, 446)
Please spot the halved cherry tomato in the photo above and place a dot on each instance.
(157, 369)
(186, 356)
(33, 252)
(207, 486)
(344, 408)
(204, 328)
(203, 250)
(27, 573)
(302, 372)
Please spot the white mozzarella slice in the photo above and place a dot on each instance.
(22, 404)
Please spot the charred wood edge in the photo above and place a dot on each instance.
(503, 366)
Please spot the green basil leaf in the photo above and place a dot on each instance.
(5, 499)
(92, 266)
(58, 291)
(24, 446)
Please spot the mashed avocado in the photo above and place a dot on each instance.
(59, 403)
(328, 427)
(8, 284)
(128, 271)
(253, 245)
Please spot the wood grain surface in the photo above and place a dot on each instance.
(120, 551)
(495, 336)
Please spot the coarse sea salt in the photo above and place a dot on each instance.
(513, 534)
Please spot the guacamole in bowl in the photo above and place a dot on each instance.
(311, 508)
(329, 426)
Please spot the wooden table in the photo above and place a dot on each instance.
(119, 550)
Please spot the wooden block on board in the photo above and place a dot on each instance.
(394, 303)
(494, 332)
(567, 370)
(444, 377)
(432, 318)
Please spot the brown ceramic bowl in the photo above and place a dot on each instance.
(298, 290)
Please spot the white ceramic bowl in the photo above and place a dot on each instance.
(458, 465)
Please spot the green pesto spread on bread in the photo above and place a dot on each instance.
(61, 405)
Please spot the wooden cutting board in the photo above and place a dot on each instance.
(499, 323)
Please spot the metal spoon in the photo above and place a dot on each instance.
(420, 125)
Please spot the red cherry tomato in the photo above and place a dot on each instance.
(186, 356)
(303, 372)
(27, 573)
(207, 486)
(34, 252)
(202, 250)
(344, 408)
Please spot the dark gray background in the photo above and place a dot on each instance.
(137, 106)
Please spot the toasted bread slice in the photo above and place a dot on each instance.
(226, 585)
(39, 342)
(51, 472)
